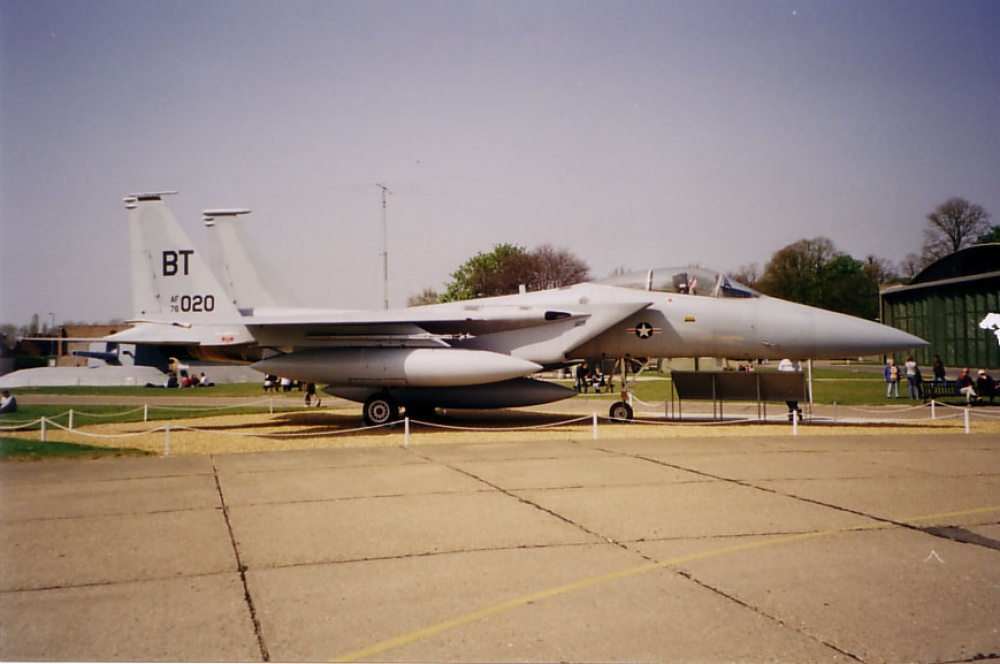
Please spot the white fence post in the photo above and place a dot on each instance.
(406, 430)
(595, 425)
(166, 442)
(70, 419)
(43, 428)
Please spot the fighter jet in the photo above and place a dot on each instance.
(479, 353)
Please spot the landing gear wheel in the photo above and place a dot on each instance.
(620, 410)
(380, 409)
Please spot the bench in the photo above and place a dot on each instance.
(721, 386)
(938, 389)
(946, 389)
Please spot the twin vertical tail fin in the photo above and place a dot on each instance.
(246, 273)
(171, 282)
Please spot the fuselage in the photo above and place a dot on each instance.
(685, 325)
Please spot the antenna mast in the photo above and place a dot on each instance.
(385, 248)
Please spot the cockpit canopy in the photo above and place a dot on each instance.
(682, 280)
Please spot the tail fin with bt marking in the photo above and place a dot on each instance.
(171, 282)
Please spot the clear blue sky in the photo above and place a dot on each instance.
(634, 134)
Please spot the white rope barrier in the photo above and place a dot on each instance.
(932, 405)
(23, 426)
(278, 434)
(450, 427)
(88, 434)
(44, 423)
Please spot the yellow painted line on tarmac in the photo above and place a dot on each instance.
(475, 616)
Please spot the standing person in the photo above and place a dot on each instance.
(939, 372)
(787, 366)
(581, 378)
(891, 378)
(310, 393)
(912, 377)
(965, 386)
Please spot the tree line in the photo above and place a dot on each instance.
(809, 271)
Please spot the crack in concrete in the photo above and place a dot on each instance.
(624, 546)
(242, 569)
(755, 609)
(534, 505)
(758, 610)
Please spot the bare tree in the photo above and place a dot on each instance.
(954, 225)
(748, 275)
(547, 267)
(880, 271)
(911, 266)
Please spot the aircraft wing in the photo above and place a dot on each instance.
(429, 325)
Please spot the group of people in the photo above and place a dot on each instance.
(597, 379)
(187, 380)
(974, 390)
(894, 376)
(273, 383)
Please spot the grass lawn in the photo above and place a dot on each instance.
(18, 449)
(28, 416)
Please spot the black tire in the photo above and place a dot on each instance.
(620, 410)
(380, 409)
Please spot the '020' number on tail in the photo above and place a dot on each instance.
(192, 303)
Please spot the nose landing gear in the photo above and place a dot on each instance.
(620, 410)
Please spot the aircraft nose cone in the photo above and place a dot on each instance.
(872, 338)
(795, 330)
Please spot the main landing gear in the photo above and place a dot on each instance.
(379, 409)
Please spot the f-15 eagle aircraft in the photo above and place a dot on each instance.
(471, 354)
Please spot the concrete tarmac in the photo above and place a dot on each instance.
(723, 549)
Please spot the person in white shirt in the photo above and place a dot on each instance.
(8, 404)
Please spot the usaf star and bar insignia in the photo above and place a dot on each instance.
(644, 330)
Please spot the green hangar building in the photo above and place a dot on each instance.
(954, 303)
